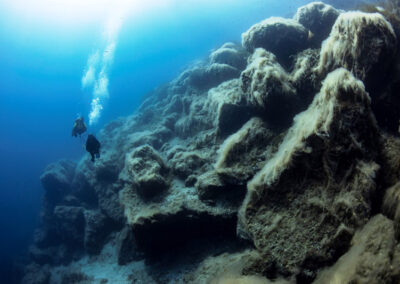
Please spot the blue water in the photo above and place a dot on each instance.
(41, 67)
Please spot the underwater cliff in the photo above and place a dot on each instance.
(276, 160)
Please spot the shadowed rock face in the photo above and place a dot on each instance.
(272, 147)
(160, 234)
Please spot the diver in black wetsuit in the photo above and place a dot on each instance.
(79, 127)
(93, 147)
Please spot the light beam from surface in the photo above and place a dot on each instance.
(75, 13)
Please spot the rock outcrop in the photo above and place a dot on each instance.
(230, 54)
(374, 256)
(297, 211)
(282, 37)
(146, 171)
(363, 43)
(318, 18)
(267, 85)
(270, 160)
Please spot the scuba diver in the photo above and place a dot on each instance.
(79, 127)
(93, 147)
(92, 144)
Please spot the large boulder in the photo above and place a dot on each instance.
(213, 75)
(267, 86)
(374, 257)
(203, 76)
(319, 18)
(362, 43)
(282, 37)
(146, 171)
(230, 54)
(228, 103)
(302, 208)
(245, 152)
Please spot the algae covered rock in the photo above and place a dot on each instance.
(296, 212)
(374, 256)
(230, 54)
(282, 37)
(221, 112)
(391, 208)
(227, 268)
(267, 86)
(147, 171)
(245, 152)
(206, 77)
(304, 77)
(186, 163)
(319, 18)
(261, 160)
(228, 102)
(362, 43)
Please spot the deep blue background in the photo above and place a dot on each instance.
(40, 92)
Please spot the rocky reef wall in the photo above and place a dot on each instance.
(273, 160)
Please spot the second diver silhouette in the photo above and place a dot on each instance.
(93, 147)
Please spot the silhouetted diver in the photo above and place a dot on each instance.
(93, 147)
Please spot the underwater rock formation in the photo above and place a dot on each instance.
(267, 85)
(282, 37)
(230, 54)
(373, 257)
(267, 161)
(319, 18)
(300, 189)
(363, 43)
(146, 170)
